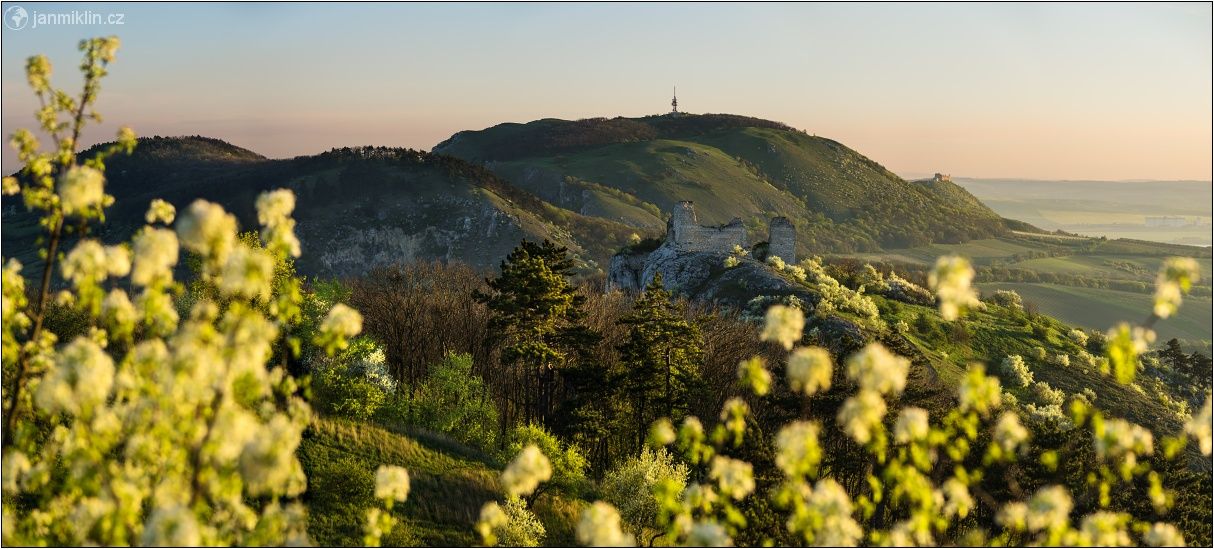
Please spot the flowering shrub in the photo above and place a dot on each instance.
(1013, 366)
(630, 488)
(1007, 298)
(152, 428)
(512, 524)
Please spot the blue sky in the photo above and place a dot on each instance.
(1096, 91)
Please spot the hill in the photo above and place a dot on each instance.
(357, 207)
(630, 169)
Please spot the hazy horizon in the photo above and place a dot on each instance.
(1008, 91)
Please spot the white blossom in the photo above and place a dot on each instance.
(81, 189)
(525, 473)
(661, 432)
(248, 272)
(957, 498)
(208, 230)
(1049, 509)
(783, 325)
(1199, 427)
(911, 425)
(1009, 433)
(951, 279)
(874, 368)
(160, 211)
(734, 477)
(861, 415)
(275, 206)
(117, 260)
(118, 310)
(832, 503)
(797, 449)
(978, 391)
(708, 534)
(80, 379)
(391, 483)
(599, 526)
(342, 321)
(1163, 535)
(809, 370)
(155, 255)
(173, 526)
(86, 263)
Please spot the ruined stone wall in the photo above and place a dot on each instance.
(782, 240)
(686, 234)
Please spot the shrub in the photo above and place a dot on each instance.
(906, 291)
(453, 401)
(568, 463)
(1048, 395)
(1007, 298)
(871, 280)
(630, 488)
(1048, 418)
(1040, 354)
(353, 384)
(1061, 359)
(521, 528)
(1013, 367)
(155, 428)
(1080, 337)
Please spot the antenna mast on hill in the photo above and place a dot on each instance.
(674, 102)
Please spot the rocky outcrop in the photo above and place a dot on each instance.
(701, 275)
(692, 261)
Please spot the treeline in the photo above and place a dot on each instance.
(586, 373)
(595, 368)
(553, 137)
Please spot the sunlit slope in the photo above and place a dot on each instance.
(1097, 308)
(730, 166)
(448, 485)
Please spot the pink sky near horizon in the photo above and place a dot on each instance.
(1093, 91)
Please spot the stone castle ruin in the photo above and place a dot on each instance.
(687, 238)
(685, 234)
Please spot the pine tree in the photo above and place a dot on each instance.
(661, 356)
(536, 315)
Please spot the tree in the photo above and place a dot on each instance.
(661, 355)
(536, 314)
(452, 401)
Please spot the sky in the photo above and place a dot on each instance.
(1025, 90)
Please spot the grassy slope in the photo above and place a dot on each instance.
(1099, 309)
(993, 334)
(1123, 260)
(755, 170)
(449, 483)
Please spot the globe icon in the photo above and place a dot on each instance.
(15, 18)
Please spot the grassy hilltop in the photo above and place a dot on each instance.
(632, 169)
